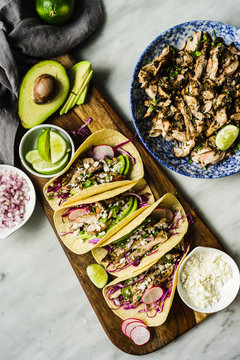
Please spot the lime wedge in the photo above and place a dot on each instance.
(226, 137)
(97, 275)
(32, 156)
(43, 145)
(47, 168)
(58, 146)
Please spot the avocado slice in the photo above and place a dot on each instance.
(32, 113)
(80, 74)
(121, 160)
(127, 165)
(132, 206)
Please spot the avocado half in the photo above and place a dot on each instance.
(31, 113)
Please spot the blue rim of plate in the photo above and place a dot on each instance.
(206, 25)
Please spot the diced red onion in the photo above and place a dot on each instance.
(13, 197)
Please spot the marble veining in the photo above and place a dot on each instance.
(44, 313)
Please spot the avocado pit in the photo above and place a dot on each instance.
(44, 89)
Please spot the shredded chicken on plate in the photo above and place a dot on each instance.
(192, 93)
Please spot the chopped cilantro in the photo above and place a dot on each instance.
(227, 92)
(155, 233)
(164, 258)
(197, 53)
(138, 250)
(176, 193)
(204, 38)
(115, 209)
(145, 235)
(87, 184)
(191, 38)
(155, 100)
(103, 220)
(205, 168)
(190, 161)
(237, 148)
(219, 44)
(94, 210)
(214, 35)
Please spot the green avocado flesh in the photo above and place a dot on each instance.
(32, 114)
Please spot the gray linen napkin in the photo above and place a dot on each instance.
(24, 39)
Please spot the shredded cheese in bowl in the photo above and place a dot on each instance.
(208, 280)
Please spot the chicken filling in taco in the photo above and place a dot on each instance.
(90, 222)
(158, 279)
(143, 241)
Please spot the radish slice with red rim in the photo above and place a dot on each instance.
(128, 321)
(151, 295)
(140, 335)
(132, 325)
(100, 151)
(163, 212)
(76, 214)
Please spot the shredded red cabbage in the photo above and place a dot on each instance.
(66, 233)
(136, 263)
(57, 184)
(142, 199)
(125, 152)
(83, 130)
(94, 241)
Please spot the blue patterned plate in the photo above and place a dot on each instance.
(157, 146)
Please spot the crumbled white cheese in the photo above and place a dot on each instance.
(96, 163)
(86, 165)
(202, 277)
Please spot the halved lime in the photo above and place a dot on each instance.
(58, 146)
(32, 156)
(97, 275)
(226, 137)
(47, 168)
(43, 145)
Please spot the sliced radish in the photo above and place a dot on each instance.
(100, 151)
(163, 212)
(151, 295)
(140, 335)
(76, 214)
(128, 321)
(132, 326)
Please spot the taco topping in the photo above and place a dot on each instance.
(130, 293)
(92, 221)
(143, 241)
(90, 171)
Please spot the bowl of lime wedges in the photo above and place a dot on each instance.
(45, 150)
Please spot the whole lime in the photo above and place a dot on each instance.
(55, 12)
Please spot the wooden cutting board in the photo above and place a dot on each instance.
(180, 318)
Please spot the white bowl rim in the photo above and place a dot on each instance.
(231, 262)
(39, 127)
(31, 204)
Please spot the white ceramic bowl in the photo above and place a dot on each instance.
(227, 293)
(29, 142)
(30, 205)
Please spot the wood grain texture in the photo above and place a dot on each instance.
(180, 318)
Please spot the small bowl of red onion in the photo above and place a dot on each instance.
(17, 199)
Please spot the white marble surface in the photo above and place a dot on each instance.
(44, 314)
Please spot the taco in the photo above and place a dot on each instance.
(106, 160)
(148, 295)
(89, 222)
(145, 239)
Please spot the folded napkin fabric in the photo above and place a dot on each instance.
(24, 40)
